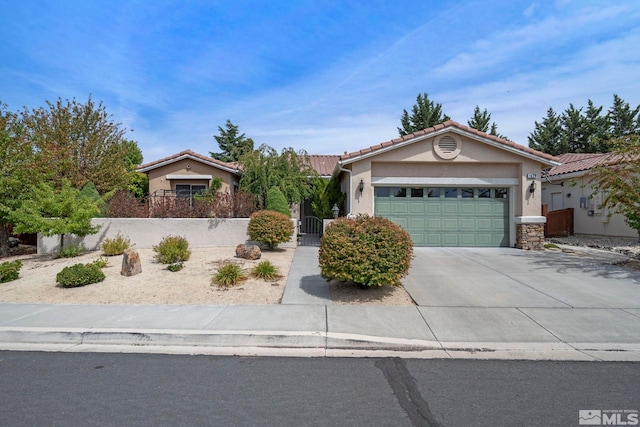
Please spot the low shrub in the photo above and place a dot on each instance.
(176, 266)
(79, 275)
(369, 251)
(10, 270)
(71, 251)
(270, 228)
(228, 274)
(265, 270)
(116, 246)
(172, 250)
(101, 262)
(275, 201)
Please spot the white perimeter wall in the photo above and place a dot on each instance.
(147, 232)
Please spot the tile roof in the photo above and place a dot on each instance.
(187, 153)
(454, 126)
(577, 162)
(323, 164)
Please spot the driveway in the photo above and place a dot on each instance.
(504, 294)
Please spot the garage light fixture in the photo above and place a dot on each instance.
(361, 186)
(532, 187)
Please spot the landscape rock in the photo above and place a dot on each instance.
(131, 263)
(248, 252)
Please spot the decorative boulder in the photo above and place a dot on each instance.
(130, 263)
(248, 252)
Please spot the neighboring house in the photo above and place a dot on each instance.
(569, 186)
(451, 185)
(186, 173)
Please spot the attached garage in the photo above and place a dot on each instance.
(448, 216)
(451, 185)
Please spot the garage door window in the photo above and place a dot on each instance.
(484, 193)
(450, 193)
(433, 192)
(467, 193)
(502, 193)
(417, 193)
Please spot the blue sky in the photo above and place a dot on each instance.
(324, 76)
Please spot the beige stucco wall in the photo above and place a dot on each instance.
(602, 222)
(475, 160)
(147, 232)
(158, 177)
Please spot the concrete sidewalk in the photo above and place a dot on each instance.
(307, 324)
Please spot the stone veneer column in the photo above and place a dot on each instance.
(530, 233)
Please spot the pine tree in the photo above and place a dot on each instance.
(480, 120)
(424, 114)
(232, 145)
(546, 135)
(622, 119)
(573, 138)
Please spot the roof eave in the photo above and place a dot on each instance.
(188, 157)
(438, 132)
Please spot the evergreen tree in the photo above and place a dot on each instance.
(573, 138)
(232, 145)
(546, 135)
(277, 202)
(424, 114)
(480, 120)
(622, 119)
(595, 126)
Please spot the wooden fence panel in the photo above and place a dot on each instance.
(559, 223)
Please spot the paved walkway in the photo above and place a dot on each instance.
(472, 303)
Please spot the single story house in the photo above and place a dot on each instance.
(187, 173)
(569, 186)
(451, 185)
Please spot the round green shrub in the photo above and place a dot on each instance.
(172, 250)
(10, 270)
(369, 251)
(277, 202)
(79, 275)
(270, 228)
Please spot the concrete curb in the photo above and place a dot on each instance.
(297, 344)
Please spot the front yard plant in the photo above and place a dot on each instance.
(79, 275)
(228, 274)
(116, 246)
(265, 270)
(369, 251)
(71, 251)
(172, 250)
(10, 270)
(270, 228)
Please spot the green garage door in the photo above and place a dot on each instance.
(447, 216)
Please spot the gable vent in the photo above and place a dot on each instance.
(447, 146)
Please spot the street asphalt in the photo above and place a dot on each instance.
(493, 303)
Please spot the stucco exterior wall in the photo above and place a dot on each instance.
(147, 232)
(601, 222)
(158, 177)
(475, 160)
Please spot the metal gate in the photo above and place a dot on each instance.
(310, 231)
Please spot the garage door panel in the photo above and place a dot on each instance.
(467, 224)
(416, 208)
(467, 208)
(434, 221)
(399, 208)
(450, 208)
(449, 224)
